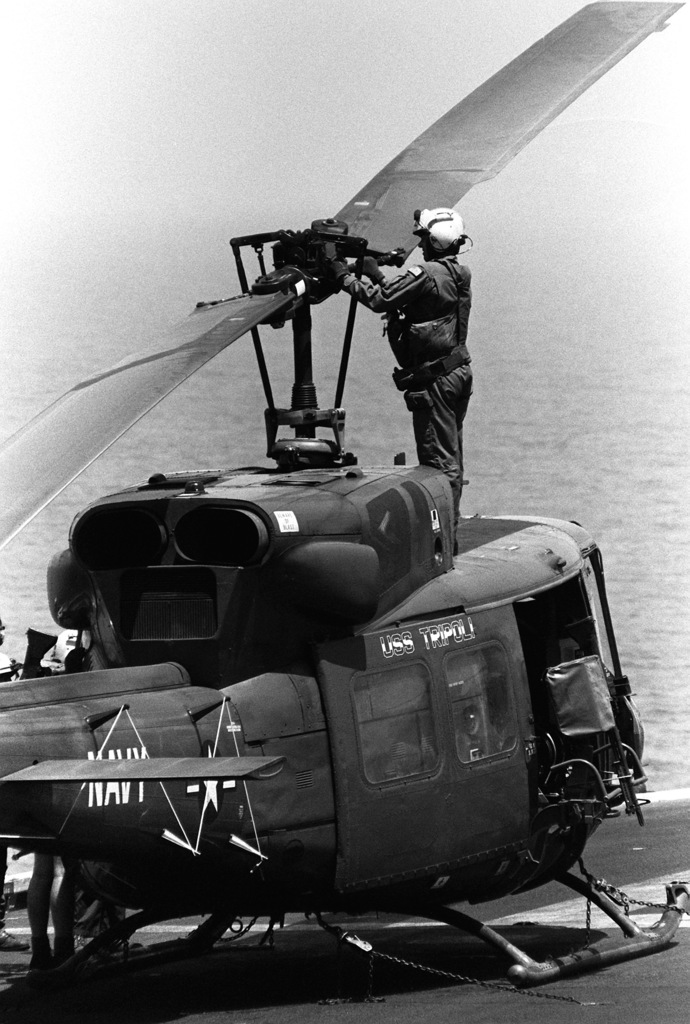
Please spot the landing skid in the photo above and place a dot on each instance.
(635, 942)
(84, 960)
(524, 972)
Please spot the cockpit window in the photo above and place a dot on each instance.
(483, 714)
(395, 723)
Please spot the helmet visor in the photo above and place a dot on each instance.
(419, 230)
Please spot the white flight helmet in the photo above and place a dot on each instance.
(442, 227)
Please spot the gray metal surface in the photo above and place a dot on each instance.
(482, 133)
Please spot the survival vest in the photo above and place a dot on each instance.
(429, 349)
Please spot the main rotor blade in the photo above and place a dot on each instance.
(42, 458)
(482, 133)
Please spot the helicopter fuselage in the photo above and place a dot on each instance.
(410, 744)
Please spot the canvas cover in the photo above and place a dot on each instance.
(580, 696)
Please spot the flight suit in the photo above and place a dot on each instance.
(435, 299)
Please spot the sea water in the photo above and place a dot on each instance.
(575, 417)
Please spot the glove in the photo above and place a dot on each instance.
(371, 269)
(337, 270)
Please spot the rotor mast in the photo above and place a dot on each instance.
(303, 389)
(301, 263)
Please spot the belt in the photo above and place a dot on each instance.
(419, 377)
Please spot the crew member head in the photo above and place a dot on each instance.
(441, 231)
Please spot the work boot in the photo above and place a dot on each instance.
(41, 957)
(10, 943)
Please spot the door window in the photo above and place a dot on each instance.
(395, 723)
(479, 689)
(592, 586)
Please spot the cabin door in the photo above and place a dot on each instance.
(427, 773)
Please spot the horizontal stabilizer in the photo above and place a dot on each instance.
(149, 769)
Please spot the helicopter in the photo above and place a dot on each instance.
(284, 672)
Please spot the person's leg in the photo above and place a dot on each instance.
(8, 942)
(3, 900)
(62, 910)
(38, 910)
(461, 380)
(438, 430)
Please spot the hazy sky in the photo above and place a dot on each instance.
(140, 135)
(259, 112)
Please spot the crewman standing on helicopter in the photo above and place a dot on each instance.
(428, 311)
